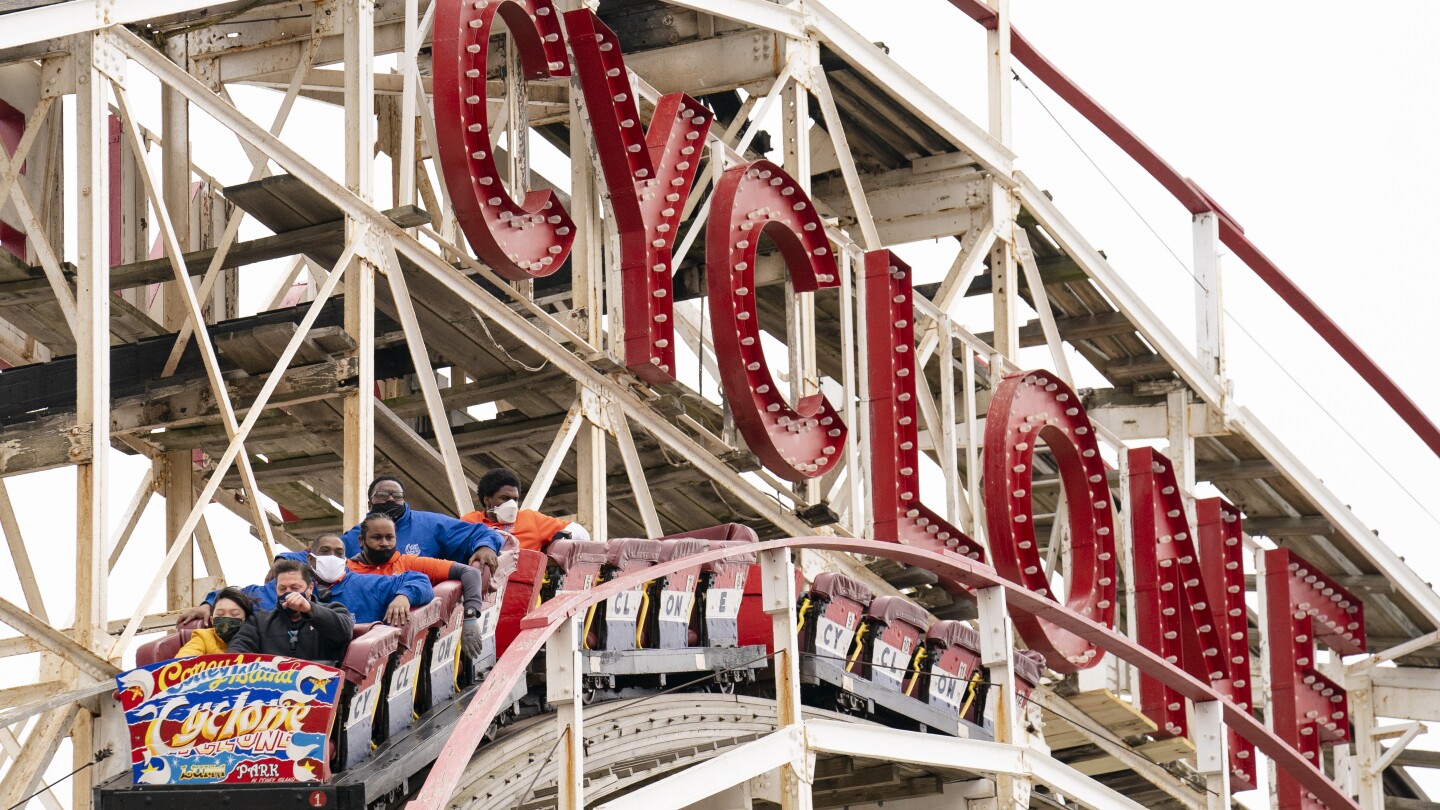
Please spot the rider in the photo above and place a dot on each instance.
(428, 534)
(499, 493)
(378, 556)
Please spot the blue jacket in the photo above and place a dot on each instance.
(297, 556)
(428, 534)
(264, 596)
(365, 595)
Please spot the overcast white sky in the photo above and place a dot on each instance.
(1316, 129)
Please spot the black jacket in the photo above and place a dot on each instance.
(320, 637)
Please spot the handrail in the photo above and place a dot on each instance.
(1197, 201)
(539, 626)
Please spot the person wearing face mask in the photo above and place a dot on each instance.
(263, 596)
(378, 556)
(371, 597)
(428, 534)
(300, 626)
(232, 608)
(499, 494)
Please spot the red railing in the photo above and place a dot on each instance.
(540, 625)
(1196, 201)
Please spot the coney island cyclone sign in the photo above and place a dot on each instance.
(229, 718)
(1189, 580)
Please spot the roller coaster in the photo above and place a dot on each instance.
(851, 548)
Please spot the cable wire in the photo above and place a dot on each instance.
(99, 756)
(1233, 319)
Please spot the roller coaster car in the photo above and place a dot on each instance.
(883, 658)
(641, 637)
(402, 689)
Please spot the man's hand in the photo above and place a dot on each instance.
(470, 641)
(484, 557)
(296, 602)
(200, 612)
(399, 611)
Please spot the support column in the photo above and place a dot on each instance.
(563, 691)
(517, 136)
(1209, 304)
(777, 590)
(1002, 254)
(587, 299)
(1361, 696)
(1181, 447)
(173, 470)
(997, 642)
(800, 307)
(359, 465)
(92, 366)
(1211, 757)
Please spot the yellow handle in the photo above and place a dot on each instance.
(859, 636)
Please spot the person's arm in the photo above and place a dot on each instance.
(415, 587)
(408, 590)
(471, 586)
(195, 646)
(463, 542)
(247, 640)
(200, 612)
(472, 589)
(437, 571)
(332, 620)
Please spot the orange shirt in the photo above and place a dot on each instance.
(437, 570)
(531, 528)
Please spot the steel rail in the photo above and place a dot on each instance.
(538, 627)
(1197, 201)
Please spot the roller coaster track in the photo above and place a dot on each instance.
(537, 628)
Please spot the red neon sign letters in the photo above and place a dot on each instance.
(519, 240)
(1189, 590)
(1027, 409)
(649, 175)
(795, 442)
(894, 414)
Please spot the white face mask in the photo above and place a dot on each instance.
(507, 511)
(329, 568)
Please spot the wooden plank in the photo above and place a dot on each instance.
(302, 239)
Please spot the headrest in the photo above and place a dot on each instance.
(951, 633)
(366, 653)
(448, 595)
(725, 531)
(745, 559)
(682, 547)
(162, 649)
(892, 609)
(489, 580)
(421, 620)
(1029, 666)
(529, 566)
(830, 586)
(566, 554)
(623, 554)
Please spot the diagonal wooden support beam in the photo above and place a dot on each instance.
(26, 771)
(321, 23)
(12, 748)
(222, 465)
(435, 406)
(20, 555)
(55, 641)
(195, 319)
